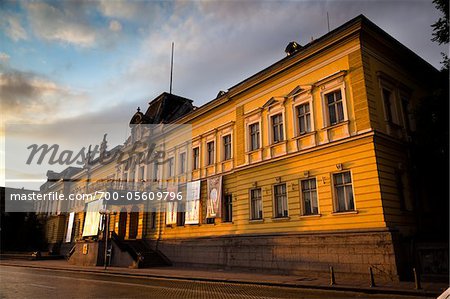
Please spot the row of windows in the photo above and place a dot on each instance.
(304, 119)
(343, 199)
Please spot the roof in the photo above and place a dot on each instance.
(165, 108)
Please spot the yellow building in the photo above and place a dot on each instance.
(312, 153)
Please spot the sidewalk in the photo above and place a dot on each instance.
(304, 281)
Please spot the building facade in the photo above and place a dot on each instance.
(311, 156)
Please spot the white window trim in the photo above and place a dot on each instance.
(248, 136)
(250, 204)
(206, 152)
(179, 162)
(335, 202)
(170, 175)
(274, 200)
(302, 203)
(326, 88)
(272, 112)
(222, 148)
(300, 100)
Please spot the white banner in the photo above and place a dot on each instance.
(69, 227)
(92, 221)
(214, 197)
(192, 202)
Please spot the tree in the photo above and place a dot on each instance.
(440, 28)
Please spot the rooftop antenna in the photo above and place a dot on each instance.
(171, 71)
(328, 22)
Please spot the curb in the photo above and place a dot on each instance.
(374, 290)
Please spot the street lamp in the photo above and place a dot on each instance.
(106, 218)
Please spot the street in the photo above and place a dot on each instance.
(23, 282)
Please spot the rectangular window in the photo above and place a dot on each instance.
(182, 162)
(343, 192)
(389, 104)
(227, 147)
(277, 128)
(254, 136)
(210, 153)
(309, 197)
(196, 158)
(256, 212)
(304, 118)
(181, 216)
(280, 198)
(335, 107)
(170, 165)
(228, 208)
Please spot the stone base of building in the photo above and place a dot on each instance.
(350, 253)
(87, 254)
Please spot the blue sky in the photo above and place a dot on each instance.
(62, 62)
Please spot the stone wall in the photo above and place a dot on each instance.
(92, 257)
(349, 253)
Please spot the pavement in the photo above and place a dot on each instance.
(307, 280)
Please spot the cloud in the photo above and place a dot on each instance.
(13, 28)
(4, 58)
(28, 97)
(115, 26)
(60, 24)
(119, 9)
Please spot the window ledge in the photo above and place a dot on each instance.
(273, 144)
(227, 223)
(281, 218)
(344, 122)
(304, 135)
(311, 216)
(256, 221)
(253, 151)
(345, 213)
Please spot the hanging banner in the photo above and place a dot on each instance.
(92, 221)
(214, 197)
(192, 202)
(171, 206)
(69, 227)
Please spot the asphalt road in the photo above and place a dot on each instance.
(21, 282)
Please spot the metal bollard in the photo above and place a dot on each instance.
(372, 281)
(332, 279)
(416, 280)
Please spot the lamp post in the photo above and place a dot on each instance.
(105, 215)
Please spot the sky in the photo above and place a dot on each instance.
(63, 63)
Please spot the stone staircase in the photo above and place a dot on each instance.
(141, 252)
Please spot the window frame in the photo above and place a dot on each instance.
(226, 157)
(334, 104)
(304, 212)
(196, 158)
(277, 128)
(260, 200)
(330, 86)
(170, 167)
(210, 158)
(227, 208)
(336, 207)
(285, 213)
(250, 135)
(182, 163)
